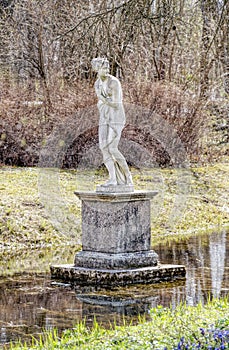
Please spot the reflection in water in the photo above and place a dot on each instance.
(126, 302)
(30, 303)
(217, 251)
(206, 259)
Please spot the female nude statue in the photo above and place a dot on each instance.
(112, 120)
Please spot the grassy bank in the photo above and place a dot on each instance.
(38, 207)
(185, 327)
(40, 215)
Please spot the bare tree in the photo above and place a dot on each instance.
(46, 47)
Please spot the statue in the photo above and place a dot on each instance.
(111, 123)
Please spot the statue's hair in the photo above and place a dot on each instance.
(99, 62)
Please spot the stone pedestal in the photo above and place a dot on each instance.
(116, 242)
(116, 230)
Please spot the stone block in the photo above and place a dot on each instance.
(103, 277)
(116, 241)
(116, 223)
(99, 260)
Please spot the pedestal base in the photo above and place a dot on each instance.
(98, 260)
(105, 277)
(116, 242)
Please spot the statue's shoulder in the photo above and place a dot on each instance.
(113, 81)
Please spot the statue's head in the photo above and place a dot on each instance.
(100, 63)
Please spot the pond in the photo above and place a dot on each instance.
(31, 302)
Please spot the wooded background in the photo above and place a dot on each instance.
(172, 57)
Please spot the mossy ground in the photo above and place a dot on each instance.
(164, 331)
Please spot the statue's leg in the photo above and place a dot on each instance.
(107, 156)
(123, 174)
(110, 165)
(122, 164)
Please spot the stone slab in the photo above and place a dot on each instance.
(105, 277)
(116, 261)
(115, 196)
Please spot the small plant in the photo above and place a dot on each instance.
(209, 339)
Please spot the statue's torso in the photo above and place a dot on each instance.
(110, 89)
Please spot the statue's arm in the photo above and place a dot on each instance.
(116, 94)
(101, 97)
(114, 98)
(97, 91)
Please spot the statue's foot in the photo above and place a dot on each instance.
(129, 180)
(110, 183)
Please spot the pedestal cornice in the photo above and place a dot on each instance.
(116, 197)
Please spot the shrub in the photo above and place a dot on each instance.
(28, 117)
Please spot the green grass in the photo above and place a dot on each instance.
(38, 206)
(205, 203)
(166, 328)
(39, 210)
(40, 215)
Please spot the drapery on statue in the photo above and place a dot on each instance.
(111, 123)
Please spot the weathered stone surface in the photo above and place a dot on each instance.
(116, 241)
(92, 196)
(104, 277)
(116, 228)
(116, 261)
(116, 222)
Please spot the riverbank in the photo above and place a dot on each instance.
(38, 207)
(40, 215)
(185, 327)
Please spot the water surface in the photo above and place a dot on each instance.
(31, 302)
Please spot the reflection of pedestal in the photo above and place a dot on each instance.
(107, 305)
(116, 241)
